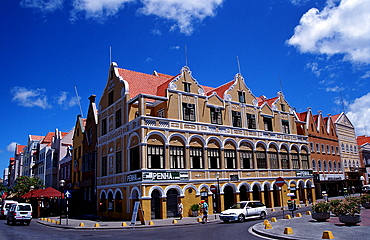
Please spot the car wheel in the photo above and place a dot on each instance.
(28, 223)
(241, 218)
(8, 221)
(226, 221)
(262, 215)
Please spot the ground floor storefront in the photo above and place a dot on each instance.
(159, 200)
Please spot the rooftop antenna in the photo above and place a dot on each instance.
(110, 55)
(78, 101)
(341, 98)
(237, 60)
(281, 85)
(186, 55)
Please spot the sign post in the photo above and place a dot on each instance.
(68, 195)
(280, 183)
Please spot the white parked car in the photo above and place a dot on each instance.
(242, 210)
(19, 212)
(5, 207)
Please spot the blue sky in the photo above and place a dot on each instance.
(318, 50)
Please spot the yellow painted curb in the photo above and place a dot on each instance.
(49, 220)
(124, 224)
(273, 219)
(268, 226)
(273, 210)
(57, 222)
(265, 222)
(200, 220)
(174, 221)
(288, 230)
(151, 223)
(327, 235)
(288, 217)
(96, 225)
(298, 215)
(81, 225)
(308, 213)
(53, 221)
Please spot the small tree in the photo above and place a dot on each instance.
(23, 185)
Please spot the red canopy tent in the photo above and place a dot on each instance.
(43, 193)
(31, 194)
(49, 193)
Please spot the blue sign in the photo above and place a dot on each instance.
(67, 194)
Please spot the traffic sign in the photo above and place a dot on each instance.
(67, 194)
(213, 189)
(279, 181)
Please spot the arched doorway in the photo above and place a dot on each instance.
(302, 196)
(172, 198)
(276, 195)
(155, 205)
(228, 197)
(256, 193)
(244, 196)
(266, 195)
(103, 203)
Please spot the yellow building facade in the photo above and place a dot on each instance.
(167, 138)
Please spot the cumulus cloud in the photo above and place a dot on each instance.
(30, 97)
(337, 29)
(66, 102)
(11, 147)
(359, 114)
(181, 14)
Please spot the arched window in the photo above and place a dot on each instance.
(314, 165)
(330, 169)
(325, 166)
(339, 167)
(345, 163)
(335, 166)
(319, 165)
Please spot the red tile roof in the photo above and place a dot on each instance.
(48, 138)
(142, 82)
(19, 149)
(34, 137)
(302, 116)
(361, 140)
(219, 90)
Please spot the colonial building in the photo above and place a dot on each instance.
(18, 162)
(162, 138)
(363, 143)
(348, 151)
(325, 156)
(31, 155)
(87, 183)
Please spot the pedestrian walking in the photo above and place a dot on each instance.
(204, 208)
(180, 209)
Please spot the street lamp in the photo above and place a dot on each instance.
(61, 183)
(218, 191)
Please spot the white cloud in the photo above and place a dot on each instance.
(183, 14)
(299, 2)
(359, 114)
(174, 47)
(30, 97)
(11, 147)
(337, 29)
(148, 60)
(334, 89)
(43, 5)
(314, 67)
(66, 103)
(366, 75)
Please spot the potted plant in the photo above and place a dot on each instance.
(194, 210)
(365, 199)
(349, 211)
(321, 211)
(334, 204)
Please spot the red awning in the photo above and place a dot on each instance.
(31, 194)
(44, 193)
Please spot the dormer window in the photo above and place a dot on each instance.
(187, 87)
(241, 96)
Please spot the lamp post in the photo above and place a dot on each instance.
(218, 191)
(61, 183)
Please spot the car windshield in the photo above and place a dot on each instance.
(238, 206)
(24, 208)
(7, 206)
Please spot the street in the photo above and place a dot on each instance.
(212, 231)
